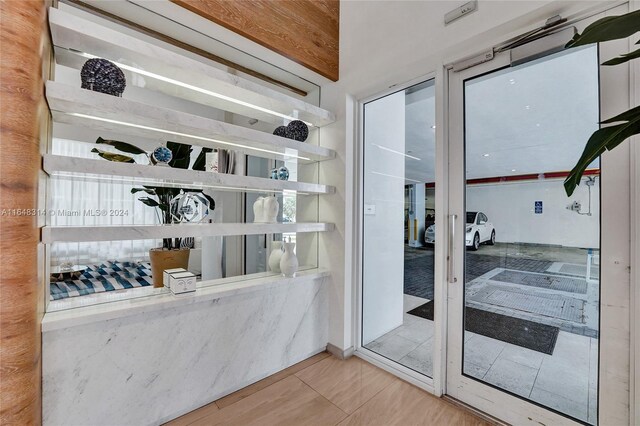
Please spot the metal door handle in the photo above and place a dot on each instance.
(451, 273)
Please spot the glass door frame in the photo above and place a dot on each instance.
(615, 225)
(430, 384)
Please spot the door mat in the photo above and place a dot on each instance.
(551, 282)
(527, 334)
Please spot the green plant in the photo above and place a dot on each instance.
(181, 158)
(624, 125)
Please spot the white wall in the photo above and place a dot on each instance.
(510, 207)
(383, 256)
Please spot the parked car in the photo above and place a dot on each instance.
(478, 230)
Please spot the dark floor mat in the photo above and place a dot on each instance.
(527, 334)
(551, 282)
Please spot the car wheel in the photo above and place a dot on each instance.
(492, 240)
(476, 242)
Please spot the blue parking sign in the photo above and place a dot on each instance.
(538, 207)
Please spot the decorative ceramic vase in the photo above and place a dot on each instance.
(283, 173)
(297, 130)
(289, 261)
(280, 131)
(275, 256)
(274, 174)
(270, 209)
(258, 210)
(101, 75)
(162, 259)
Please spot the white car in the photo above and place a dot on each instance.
(478, 230)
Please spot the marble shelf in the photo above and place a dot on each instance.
(51, 234)
(206, 290)
(180, 73)
(58, 165)
(76, 106)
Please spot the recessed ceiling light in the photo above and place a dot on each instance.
(527, 107)
(433, 127)
(485, 155)
(513, 170)
(512, 81)
(537, 124)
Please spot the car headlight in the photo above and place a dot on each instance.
(468, 229)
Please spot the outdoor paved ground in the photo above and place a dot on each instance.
(565, 381)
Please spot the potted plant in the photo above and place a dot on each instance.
(173, 205)
(623, 125)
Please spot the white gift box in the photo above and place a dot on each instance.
(182, 282)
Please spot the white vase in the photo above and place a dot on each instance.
(258, 210)
(289, 261)
(275, 256)
(270, 209)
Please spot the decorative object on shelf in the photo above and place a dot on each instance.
(123, 275)
(275, 256)
(212, 164)
(289, 261)
(274, 174)
(297, 130)
(67, 271)
(182, 282)
(101, 75)
(111, 156)
(283, 173)
(161, 156)
(271, 208)
(281, 131)
(265, 210)
(189, 207)
(164, 258)
(258, 210)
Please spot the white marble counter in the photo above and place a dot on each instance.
(140, 361)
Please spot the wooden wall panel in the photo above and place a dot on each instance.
(302, 30)
(23, 44)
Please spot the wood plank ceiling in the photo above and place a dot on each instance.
(304, 31)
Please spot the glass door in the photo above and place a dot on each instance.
(524, 282)
(398, 228)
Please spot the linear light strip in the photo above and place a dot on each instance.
(286, 192)
(396, 152)
(202, 138)
(194, 88)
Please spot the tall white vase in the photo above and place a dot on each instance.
(258, 210)
(289, 261)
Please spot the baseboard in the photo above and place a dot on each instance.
(340, 353)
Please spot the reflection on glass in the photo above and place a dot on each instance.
(531, 264)
(399, 212)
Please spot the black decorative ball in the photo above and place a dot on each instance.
(297, 130)
(280, 131)
(103, 76)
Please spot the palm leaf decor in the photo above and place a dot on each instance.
(624, 125)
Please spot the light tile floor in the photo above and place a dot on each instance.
(565, 381)
(325, 391)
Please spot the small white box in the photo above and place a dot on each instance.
(168, 272)
(182, 282)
